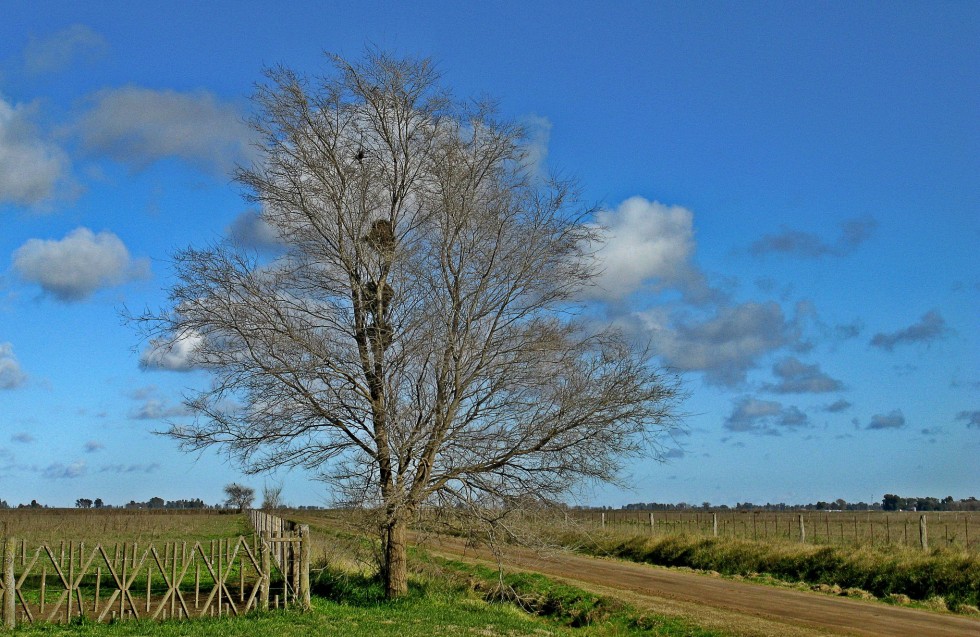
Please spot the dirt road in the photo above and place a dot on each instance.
(745, 608)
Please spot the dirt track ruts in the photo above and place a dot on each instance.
(788, 607)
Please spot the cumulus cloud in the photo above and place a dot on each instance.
(750, 415)
(32, 169)
(93, 445)
(73, 268)
(644, 243)
(929, 328)
(11, 375)
(892, 420)
(972, 418)
(810, 246)
(796, 377)
(249, 230)
(176, 355)
(724, 346)
(138, 126)
(56, 52)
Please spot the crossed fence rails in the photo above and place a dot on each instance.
(185, 580)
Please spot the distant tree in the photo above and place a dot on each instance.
(238, 495)
(98, 503)
(890, 502)
(83, 503)
(272, 497)
(155, 503)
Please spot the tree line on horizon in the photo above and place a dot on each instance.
(889, 502)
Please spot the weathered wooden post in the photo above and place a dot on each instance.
(9, 596)
(802, 531)
(603, 519)
(923, 533)
(304, 566)
(266, 570)
(714, 524)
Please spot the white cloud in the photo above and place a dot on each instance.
(538, 135)
(177, 355)
(31, 168)
(11, 375)
(57, 51)
(73, 268)
(644, 242)
(138, 126)
(724, 346)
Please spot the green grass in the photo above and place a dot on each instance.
(953, 575)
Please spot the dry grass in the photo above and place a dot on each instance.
(106, 526)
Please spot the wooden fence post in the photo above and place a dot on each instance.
(802, 531)
(923, 533)
(304, 566)
(603, 519)
(714, 524)
(266, 570)
(9, 594)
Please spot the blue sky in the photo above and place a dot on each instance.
(790, 190)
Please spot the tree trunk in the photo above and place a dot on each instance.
(396, 560)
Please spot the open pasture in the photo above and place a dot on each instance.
(108, 526)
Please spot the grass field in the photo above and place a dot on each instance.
(948, 529)
(108, 526)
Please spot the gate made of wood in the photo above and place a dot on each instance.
(179, 579)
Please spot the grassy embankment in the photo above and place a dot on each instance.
(938, 578)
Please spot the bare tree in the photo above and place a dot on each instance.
(418, 340)
(238, 495)
(272, 497)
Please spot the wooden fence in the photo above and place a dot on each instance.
(184, 580)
